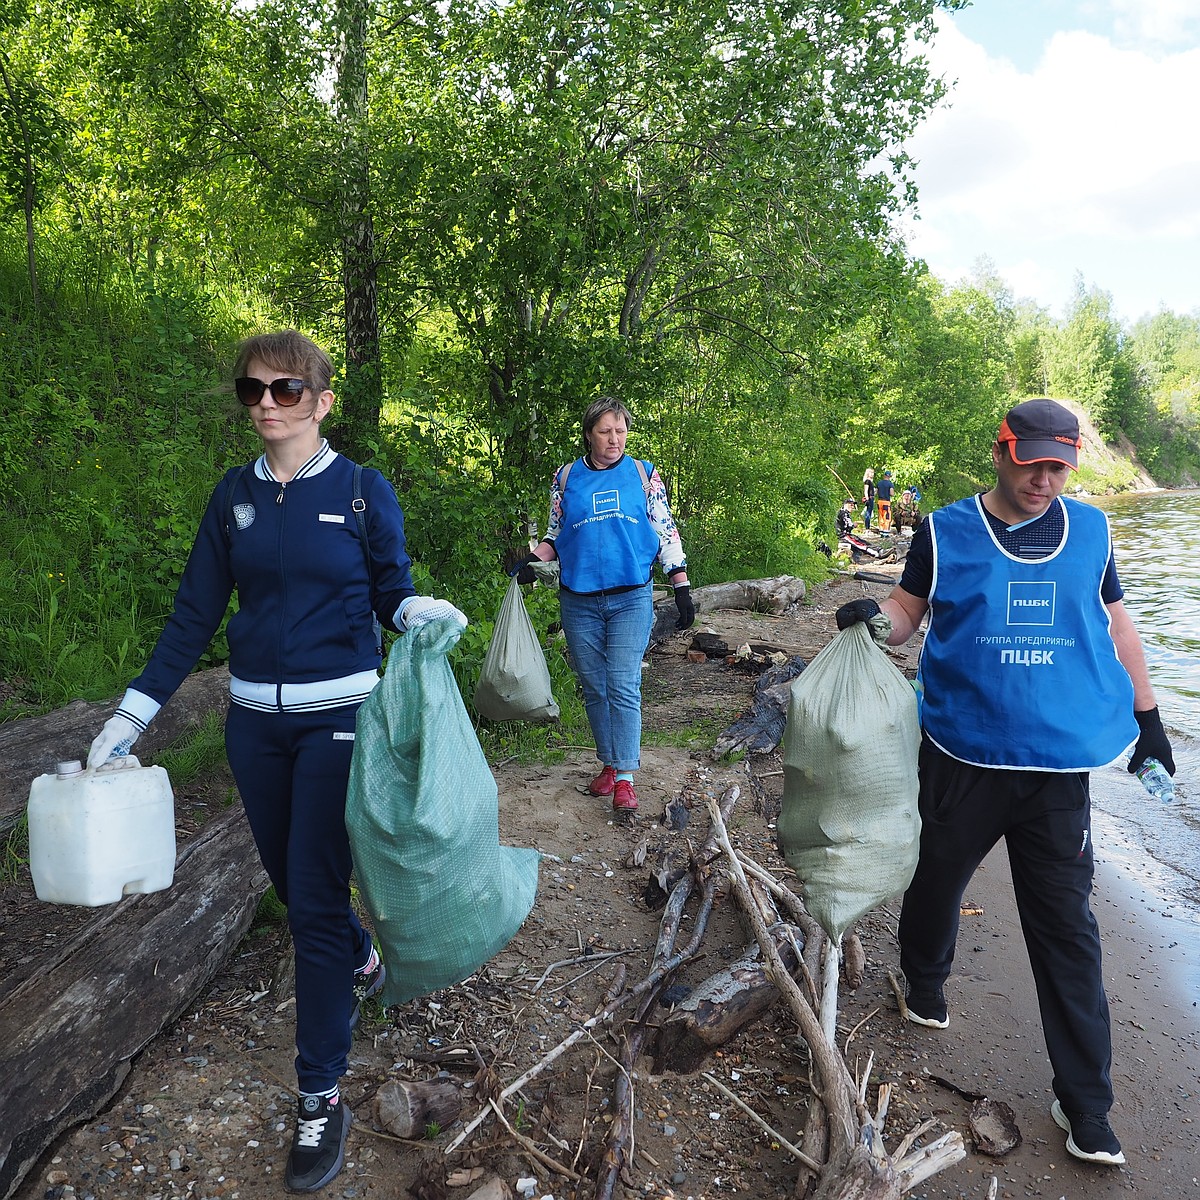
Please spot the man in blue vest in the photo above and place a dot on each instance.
(1032, 674)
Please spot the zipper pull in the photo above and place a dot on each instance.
(279, 498)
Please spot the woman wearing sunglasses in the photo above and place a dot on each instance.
(303, 655)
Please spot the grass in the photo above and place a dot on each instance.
(700, 734)
(14, 856)
(270, 914)
(197, 753)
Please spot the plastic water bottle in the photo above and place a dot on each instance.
(1156, 780)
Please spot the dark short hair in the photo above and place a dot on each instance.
(287, 350)
(597, 409)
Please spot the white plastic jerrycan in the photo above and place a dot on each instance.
(97, 835)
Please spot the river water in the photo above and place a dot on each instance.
(1156, 847)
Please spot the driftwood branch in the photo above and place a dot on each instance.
(856, 1166)
(794, 1151)
(618, 1151)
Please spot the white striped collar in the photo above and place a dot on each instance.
(315, 465)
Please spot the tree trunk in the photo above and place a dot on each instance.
(408, 1107)
(70, 1028)
(364, 376)
(719, 1009)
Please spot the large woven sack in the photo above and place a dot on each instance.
(514, 682)
(849, 825)
(422, 812)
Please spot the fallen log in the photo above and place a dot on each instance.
(30, 747)
(774, 595)
(71, 1027)
(720, 1008)
(760, 730)
(408, 1107)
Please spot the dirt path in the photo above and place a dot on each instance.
(207, 1109)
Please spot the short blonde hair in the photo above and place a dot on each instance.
(287, 350)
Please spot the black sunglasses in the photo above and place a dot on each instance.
(286, 392)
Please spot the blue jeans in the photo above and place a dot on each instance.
(607, 636)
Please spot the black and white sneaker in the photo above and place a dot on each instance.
(928, 1009)
(368, 982)
(319, 1145)
(1089, 1136)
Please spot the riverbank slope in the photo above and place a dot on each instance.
(206, 1110)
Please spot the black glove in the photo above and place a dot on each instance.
(1152, 742)
(857, 610)
(687, 610)
(523, 571)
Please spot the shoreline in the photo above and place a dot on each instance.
(995, 1045)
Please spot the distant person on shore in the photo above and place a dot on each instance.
(868, 496)
(1033, 675)
(883, 501)
(843, 522)
(906, 510)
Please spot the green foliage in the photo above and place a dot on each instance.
(14, 854)
(271, 912)
(1087, 361)
(110, 454)
(197, 753)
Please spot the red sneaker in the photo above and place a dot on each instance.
(603, 784)
(624, 797)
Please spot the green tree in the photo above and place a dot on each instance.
(1087, 361)
(611, 196)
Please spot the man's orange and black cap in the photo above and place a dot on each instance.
(1041, 431)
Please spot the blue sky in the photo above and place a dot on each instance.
(1069, 145)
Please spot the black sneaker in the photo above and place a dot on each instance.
(367, 983)
(928, 1008)
(319, 1145)
(1089, 1136)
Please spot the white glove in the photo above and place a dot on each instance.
(113, 741)
(416, 610)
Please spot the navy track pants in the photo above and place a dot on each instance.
(292, 770)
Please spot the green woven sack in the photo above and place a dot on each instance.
(849, 825)
(422, 812)
(514, 682)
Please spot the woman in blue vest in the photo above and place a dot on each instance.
(303, 655)
(609, 523)
(1033, 675)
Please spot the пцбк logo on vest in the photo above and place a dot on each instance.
(1031, 603)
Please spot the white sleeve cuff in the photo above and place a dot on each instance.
(138, 707)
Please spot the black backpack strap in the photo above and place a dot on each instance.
(234, 480)
(359, 506)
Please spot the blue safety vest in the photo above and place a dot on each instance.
(1019, 668)
(606, 540)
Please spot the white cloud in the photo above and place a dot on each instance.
(1067, 167)
(1157, 23)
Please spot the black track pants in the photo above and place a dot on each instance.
(1045, 820)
